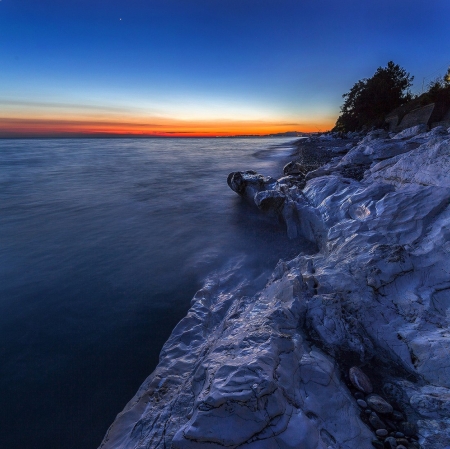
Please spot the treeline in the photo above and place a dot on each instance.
(371, 99)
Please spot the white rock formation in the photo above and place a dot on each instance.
(266, 371)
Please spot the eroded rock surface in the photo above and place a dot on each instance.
(271, 370)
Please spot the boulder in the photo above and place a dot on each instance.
(411, 132)
(293, 168)
(248, 183)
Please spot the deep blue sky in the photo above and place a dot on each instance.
(280, 62)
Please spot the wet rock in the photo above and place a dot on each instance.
(360, 380)
(293, 168)
(400, 446)
(381, 432)
(248, 183)
(390, 443)
(377, 444)
(399, 435)
(391, 424)
(397, 416)
(402, 441)
(358, 395)
(379, 404)
(270, 200)
(376, 422)
(361, 403)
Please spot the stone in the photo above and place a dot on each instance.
(376, 422)
(402, 441)
(416, 119)
(400, 446)
(377, 444)
(391, 424)
(248, 183)
(360, 380)
(390, 443)
(379, 404)
(399, 435)
(397, 416)
(361, 403)
(270, 200)
(381, 432)
(358, 395)
(293, 168)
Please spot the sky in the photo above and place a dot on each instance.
(203, 67)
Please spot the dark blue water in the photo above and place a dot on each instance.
(103, 243)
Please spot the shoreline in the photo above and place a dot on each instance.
(302, 363)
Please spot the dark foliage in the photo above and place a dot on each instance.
(370, 99)
(438, 91)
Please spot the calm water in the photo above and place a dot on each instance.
(103, 243)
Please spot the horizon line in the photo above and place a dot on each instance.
(17, 136)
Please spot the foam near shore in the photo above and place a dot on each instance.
(289, 366)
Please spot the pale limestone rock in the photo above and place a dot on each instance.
(411, 132)
(237, 372)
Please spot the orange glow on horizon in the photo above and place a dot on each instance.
(158, 127)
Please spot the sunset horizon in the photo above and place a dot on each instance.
(36, 127)
(200, 69)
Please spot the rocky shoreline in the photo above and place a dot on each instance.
(346, 348)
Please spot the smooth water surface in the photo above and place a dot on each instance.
(103, 243)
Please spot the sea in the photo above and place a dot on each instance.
(103, 244)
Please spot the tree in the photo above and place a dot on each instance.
(438, 91)
(370, 99)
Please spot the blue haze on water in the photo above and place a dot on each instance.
(103, 243)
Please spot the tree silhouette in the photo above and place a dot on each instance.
(370, 99)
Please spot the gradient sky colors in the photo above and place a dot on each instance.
(203, 67)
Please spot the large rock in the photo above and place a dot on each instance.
(249, 183)
(411, 131)
(237, 372)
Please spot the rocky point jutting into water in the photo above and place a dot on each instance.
(345, 348)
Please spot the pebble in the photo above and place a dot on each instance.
(360, 380)
(399, 435)
(377, 444)
(376, 422)
(391, 424)
(390, 443)
(400, 446)
(359, 395)
(379, 404)
(403, 441)
(367, 411)
(397, 416)
(381, 432)
(361, 403)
